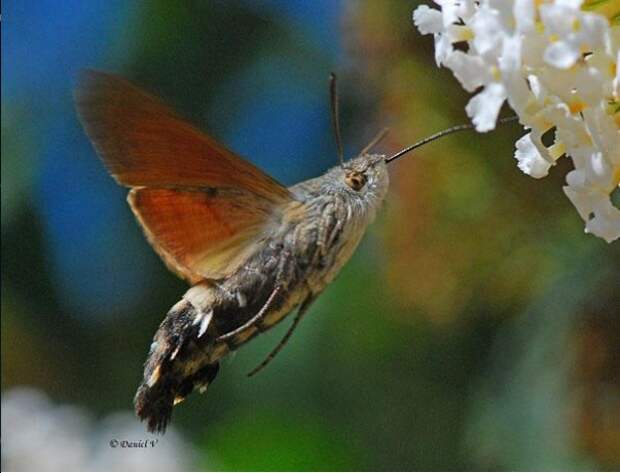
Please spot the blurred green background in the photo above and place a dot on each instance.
(477, 326)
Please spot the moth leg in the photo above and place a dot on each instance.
(300, 313)
(261, 313)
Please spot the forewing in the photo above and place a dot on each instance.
(143, 143)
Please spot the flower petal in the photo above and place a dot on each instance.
(595, 208)
(470, 70)
(488, 30)
(606, 221)
(443, 48)
(524, 12)
(616, 81)
(483, 108)
(531, 162)
(561, 55)
(427, 20)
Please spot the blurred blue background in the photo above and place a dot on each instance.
(476, 327)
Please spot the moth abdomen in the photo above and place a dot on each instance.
(174, 366)
(187, 346)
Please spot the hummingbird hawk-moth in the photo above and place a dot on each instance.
(252, 250)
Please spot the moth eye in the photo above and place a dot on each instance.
(355, 180)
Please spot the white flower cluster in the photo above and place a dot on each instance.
(559, 68)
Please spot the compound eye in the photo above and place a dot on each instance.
(355, 180)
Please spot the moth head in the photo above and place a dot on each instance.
(365, 176)
(356, 180)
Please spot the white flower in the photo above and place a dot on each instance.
(570, 32)
(559, 68)
(441, 25)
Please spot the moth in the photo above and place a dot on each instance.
(252, 250)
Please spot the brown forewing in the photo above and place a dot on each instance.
(143, 143)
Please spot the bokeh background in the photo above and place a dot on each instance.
(477, 326)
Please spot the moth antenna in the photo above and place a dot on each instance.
(375, 141)
(441, 134)
(333, 95)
